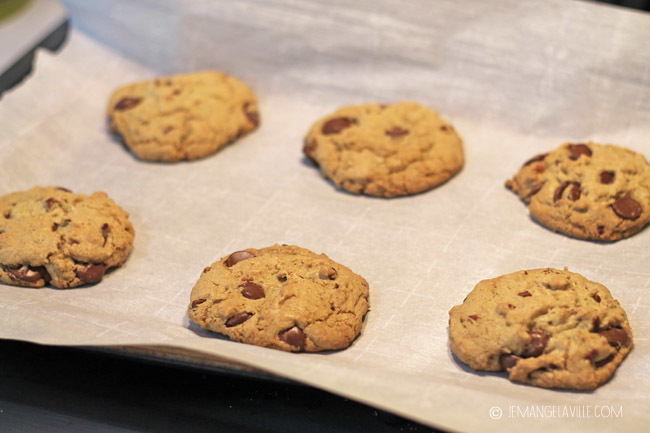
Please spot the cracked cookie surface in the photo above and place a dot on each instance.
(283, 297)
(51, 235)
(385, 150)
(182, 117)
(587, 190)
(545, 327)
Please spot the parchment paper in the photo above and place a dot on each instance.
(515, 78)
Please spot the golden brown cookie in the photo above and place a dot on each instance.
(51, 235)
(183, 116)
(283, 297)
(587, 191)
(385, 150)
(545, 327)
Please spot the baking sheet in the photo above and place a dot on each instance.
(515, 78)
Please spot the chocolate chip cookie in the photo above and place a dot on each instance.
(588, 191)
(385, 150)
(545, 327)
(51, 235)
(283, 297)
(183, 116)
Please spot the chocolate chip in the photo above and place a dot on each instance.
(252, 291)
(309, 149)
(63, 189)
(603, 361)
(601, 229)
(534, 190)
(444, 128)
(327, 273)
(534, 159)
(252, 115)
(336, 125)
(607, 177)
(596, 297)
(537, 344)
(575, 191)
(55, 227)
(396, 132)
(595, 324)
(197, 302)
(90, 273)
(30, 274)
(127, 103)
(560, 190)
(293, 336)
(591, 355)
(168, 130)
(237, 319)
(627, 208)
(206, 269)
(575, 150)
(49, 203)
(508, 360)
(524, 294)
(615, 336)
(237, 257)
(282, 278)
(473, 316)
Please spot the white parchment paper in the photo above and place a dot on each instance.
(515, 77)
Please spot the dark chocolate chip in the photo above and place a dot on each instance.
(575, 150)
(90, 273)
(252, 291)
(627, 208)
(237, 319)
(396, 132)
(309, 149)
(197, 302)
(237, 257)
(293, 336)
(473, 316)
(601, 229)
(252, 115)
(534, 190)
(127, 103)
(537, 344)
(603, 361)
(55, 227)
(615, 336)
(336, 125)
(49, 203)
(596, 297)
(560, 190)
(575, 191)
(595, 324)
(282, 278)
(206, 269)
(607, 177)
(508, 360)
(30, 274)
(591, 355)
(536, 158)
(524, 294)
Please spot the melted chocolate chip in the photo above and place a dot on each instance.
(508, 360)
(30, 274)
(607, 177)
(127, 103)
(397, 132)
(524, 294)
(627, 208)
(91, 273)
(576, 150)
(560, 190)
(309, 149)
(252, 115)
(252, 291)
(575, 191)
(537, 344)
(237, 319)
(293, 336)
(534, 159)
(197, 302)
(238, 256)
(616, 337)
(336, 125)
